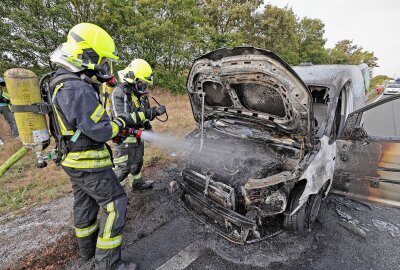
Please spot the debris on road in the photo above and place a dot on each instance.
(343, 214)
(353, 228)
(351, 223)
(386, 226)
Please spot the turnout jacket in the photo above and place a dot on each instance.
(78, 109)
(125, 100)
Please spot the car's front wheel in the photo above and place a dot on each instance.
(303, 220)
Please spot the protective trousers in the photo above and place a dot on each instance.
(94, 190)
(4, 110)
(128, 161)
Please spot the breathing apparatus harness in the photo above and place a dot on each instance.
(64, 144)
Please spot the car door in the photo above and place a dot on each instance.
(368, 154)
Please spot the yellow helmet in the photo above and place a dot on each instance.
(90, 42)
(139, 69)
(88, 46)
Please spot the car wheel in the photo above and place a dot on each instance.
(303, 220)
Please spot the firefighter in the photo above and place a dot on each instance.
(129, 97)
(84, 59)
(5, 110)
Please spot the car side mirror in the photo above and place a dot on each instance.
(358, 134)
(352, 122)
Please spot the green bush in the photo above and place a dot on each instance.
(168, 79)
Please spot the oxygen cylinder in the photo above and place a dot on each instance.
(23, 88)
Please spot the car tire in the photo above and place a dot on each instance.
(303, 220)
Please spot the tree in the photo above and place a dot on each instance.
(275, 29)
(345, 52)
(169, 34)
(225, 20)
(32, 29)
(312, 41)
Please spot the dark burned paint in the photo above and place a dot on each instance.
(369, 171)
(368, 167)
(335, 78)
(277, 95)
(254, 100)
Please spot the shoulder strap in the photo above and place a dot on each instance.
(61, 79)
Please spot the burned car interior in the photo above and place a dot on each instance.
(263, 155)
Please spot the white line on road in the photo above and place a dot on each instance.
(182, 259)
(378, 98)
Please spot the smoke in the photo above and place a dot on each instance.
(211, 149)
(167, 142)
(220, 155)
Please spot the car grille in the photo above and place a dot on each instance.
(217, 191)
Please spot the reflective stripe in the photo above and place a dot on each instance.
(109, 243)
(64, 130)
(121, 159)
(89, 154)
(141, 116)
(135, 101)
(88, 159)
(97, 114)
(113, 105)
(110, 220)
(84, 232)
(133, 115)
(86, 164)
(130, 180)
(137, 176)
(115, 129)
(5, 95)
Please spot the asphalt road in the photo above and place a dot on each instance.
(161, 235)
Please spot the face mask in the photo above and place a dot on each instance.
(141, 87)
(104, 75)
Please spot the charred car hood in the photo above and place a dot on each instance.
(250, 83)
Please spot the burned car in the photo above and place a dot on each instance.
(263, 155)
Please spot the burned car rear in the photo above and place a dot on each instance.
(253, 165)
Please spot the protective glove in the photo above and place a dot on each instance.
(119, 139)
(137, 124)
(123, 120)
(154, 112)
(147, 125)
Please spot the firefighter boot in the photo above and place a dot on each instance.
(142, 185)
(138, 183)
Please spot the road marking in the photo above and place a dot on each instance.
(182, 259)
(378, 98)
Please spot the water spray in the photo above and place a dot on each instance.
(202, 95)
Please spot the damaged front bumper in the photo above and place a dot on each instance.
(213, 203)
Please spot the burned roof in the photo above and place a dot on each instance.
(330, 75)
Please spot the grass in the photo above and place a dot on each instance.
(24, 185)
(373, 93)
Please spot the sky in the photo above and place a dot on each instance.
(371, 24)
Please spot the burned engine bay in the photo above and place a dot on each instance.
(240, 177)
